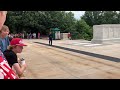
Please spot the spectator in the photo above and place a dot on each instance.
(4, 39)
(69, 36)
(16, 46)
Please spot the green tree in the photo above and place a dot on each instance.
(85, 31)
(100, 17)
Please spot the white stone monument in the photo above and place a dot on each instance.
(106, 33)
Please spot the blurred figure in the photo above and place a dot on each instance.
(2, 18)
(69, 36)
(38, 35)
(50, 38)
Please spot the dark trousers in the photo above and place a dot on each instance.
(50, 41)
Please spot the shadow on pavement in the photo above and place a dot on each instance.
(85, 53)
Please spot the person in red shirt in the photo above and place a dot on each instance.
(69, 36)
(5, 70)
(38, 35)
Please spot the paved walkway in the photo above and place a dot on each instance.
(76, 59)
(110, 49)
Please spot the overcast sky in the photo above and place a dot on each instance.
(77, 14)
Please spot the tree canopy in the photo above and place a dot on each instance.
(43, 21)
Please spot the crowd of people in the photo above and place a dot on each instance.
(25, 36)
(11, 66)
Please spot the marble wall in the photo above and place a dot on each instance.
(106, 33)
